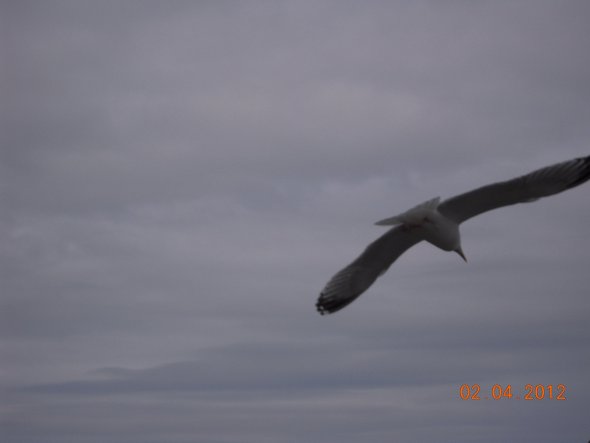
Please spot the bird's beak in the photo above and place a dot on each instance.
(460, 252)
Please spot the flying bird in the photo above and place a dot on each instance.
(438, 223)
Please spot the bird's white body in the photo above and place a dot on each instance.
(441, 232)
(435, 228)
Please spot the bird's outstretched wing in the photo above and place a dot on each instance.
(541, 183)
(358, 276)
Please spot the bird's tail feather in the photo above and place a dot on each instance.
(429, 205)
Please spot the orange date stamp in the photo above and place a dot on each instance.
(499, 392)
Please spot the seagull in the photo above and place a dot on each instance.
(438, 224)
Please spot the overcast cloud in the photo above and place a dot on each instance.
(178, 181)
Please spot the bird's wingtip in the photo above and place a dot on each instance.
(326, 305)
(321, 309)
(584, 172)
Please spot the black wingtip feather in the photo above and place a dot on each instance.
(583, 173)
(326, 306)
(321, 309)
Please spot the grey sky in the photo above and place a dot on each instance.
(178, 180)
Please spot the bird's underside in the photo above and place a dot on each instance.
(434, 221)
